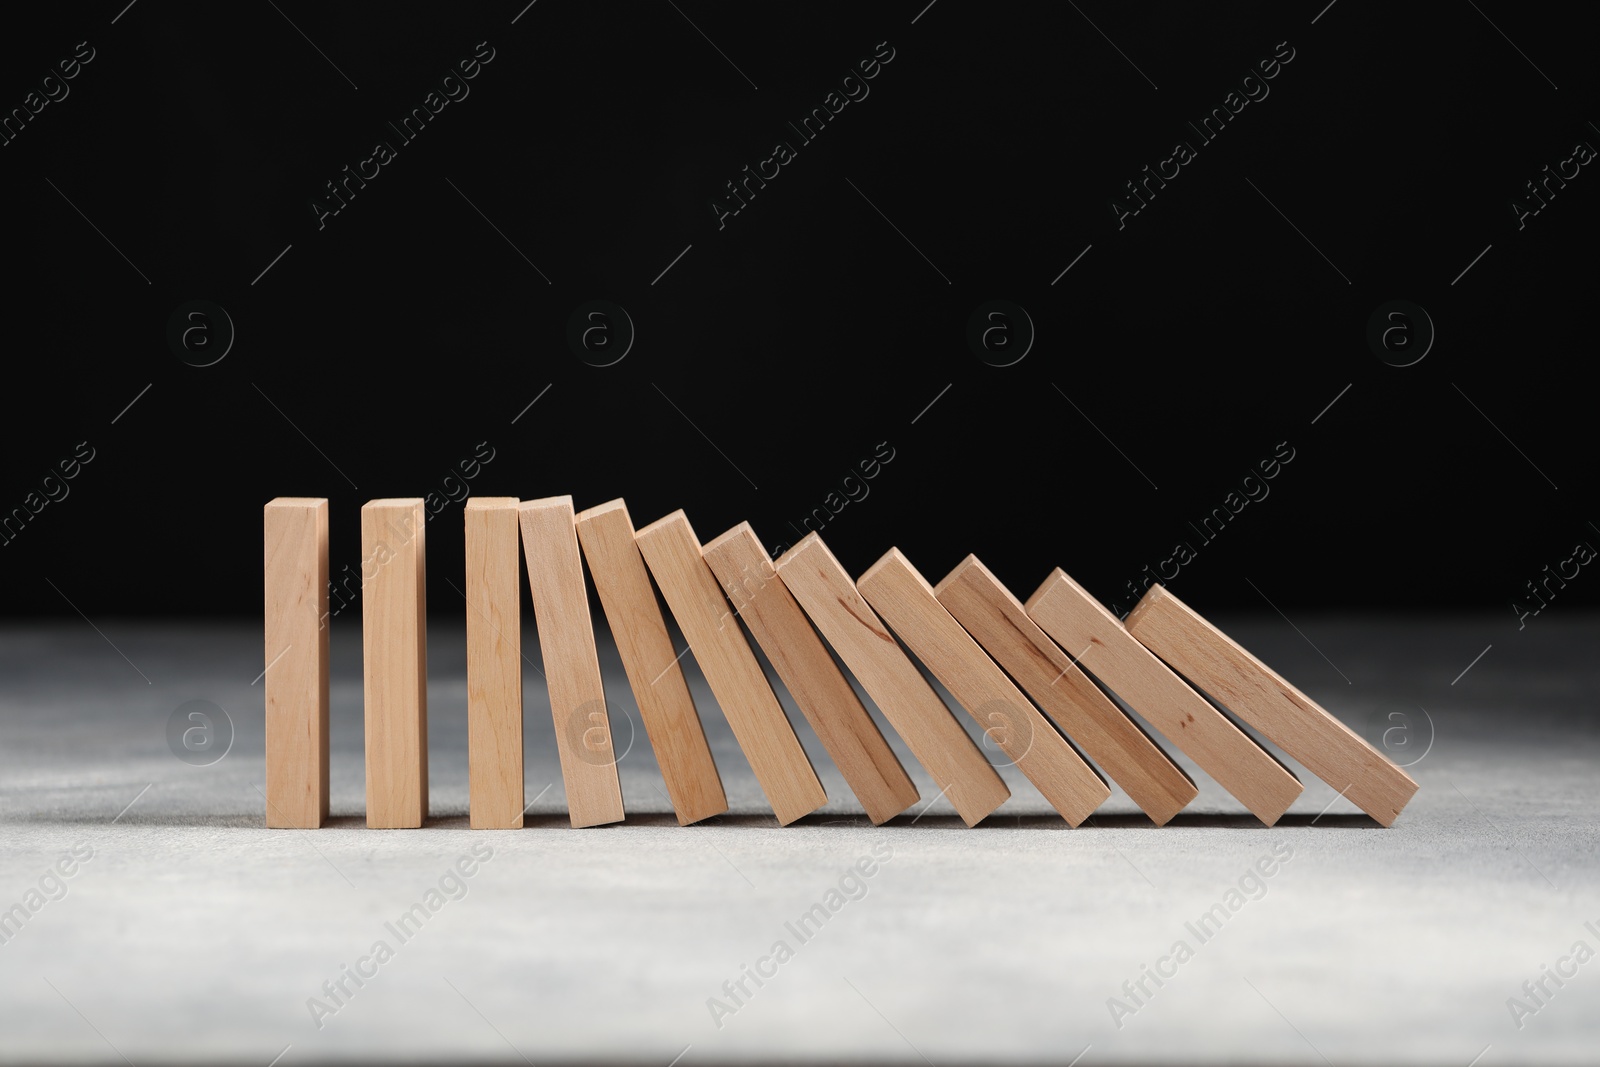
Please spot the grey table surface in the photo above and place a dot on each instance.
(193, 934)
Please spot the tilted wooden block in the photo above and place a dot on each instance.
(780, 763)
(295, 541)
(997, 619)
(1097, 638)
(571, 666)
(665, 705)
(904, 599)
(494, 664)
(394, 632)
(821, 586)
(820, 690)
(1257, 694)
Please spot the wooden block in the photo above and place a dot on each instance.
(394, 640)
(1257, 694)
(819, 688)
(494, 664)
(781, 765)
(905, 600)
(997, 620)
(296, 676)
(571, 667)
(821, 586)
(1078, 623)
(668, 711)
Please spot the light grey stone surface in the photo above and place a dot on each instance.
(193, 934)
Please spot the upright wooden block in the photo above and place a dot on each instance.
(571, 667)
(1261, 697)
(820, 690)
(296, 676)
(394, 638)
(668, 711)
(821, 586)
(1078, 622)
(781, 765)
(494, 664)
(904, 599)
(997, 620)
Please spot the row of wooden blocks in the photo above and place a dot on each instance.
(1005, 662)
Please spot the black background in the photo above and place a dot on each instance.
(381, 349)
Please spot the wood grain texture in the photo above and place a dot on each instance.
(295, 678)
(819, 688)
(905, 600)
(571, 666)
(1078, 623)
(781, 765)
(997, 620)
(1261, 697)
(394, 638)
(665, 705)
(494, 664)
(819, 583)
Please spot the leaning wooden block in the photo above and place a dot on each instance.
(781, 765)
(821, 586)
(1257, 694)
(904, 599)
(668, 711)
(820, 690)
(1079, 624)
(571, 667)
(295, 541)
(997, 620)
(494, 664)
(394, 632)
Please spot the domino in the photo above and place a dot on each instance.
(819, 688)
(997, 621)
(820, 585)
(903, 598)
(394, 639)
(295, 550)
(571, 666)
(1078, 623)
(780, 763)
(1257, 694)
(665, 705)
(494, 664)
(997, 656)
